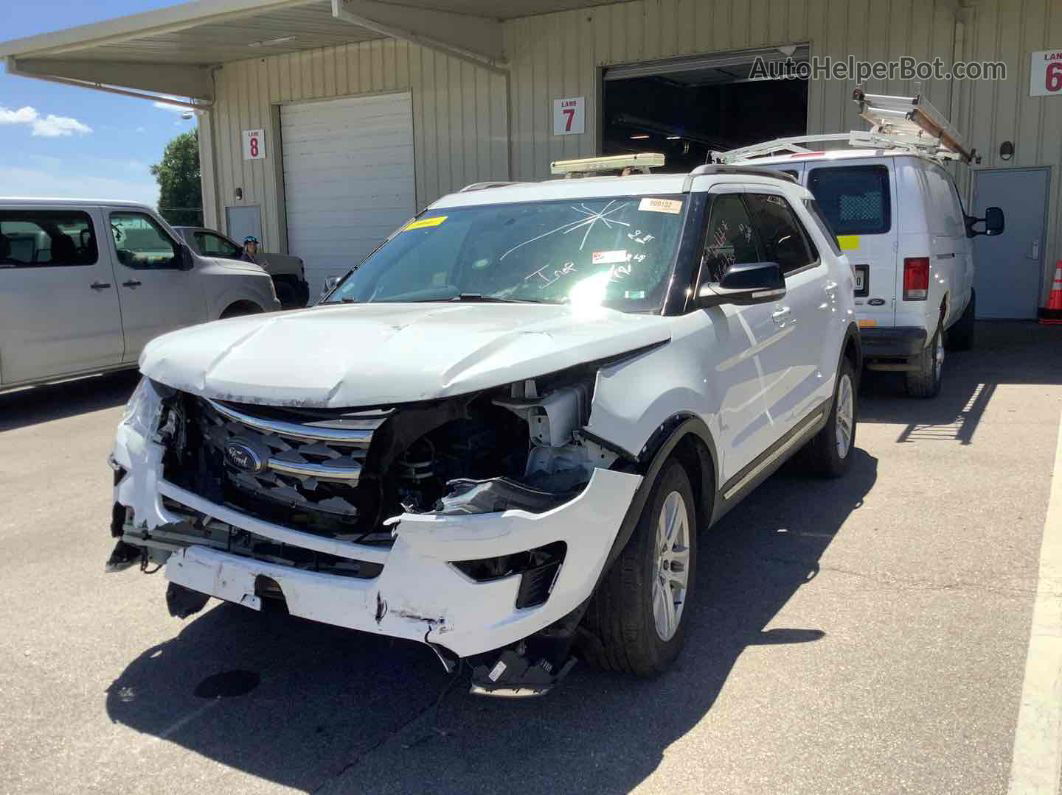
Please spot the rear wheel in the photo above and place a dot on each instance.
(924, 381)
(960, 337)
(637, 618)
(829, 452)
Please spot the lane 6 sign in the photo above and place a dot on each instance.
(1045, 74)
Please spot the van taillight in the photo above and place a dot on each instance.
(915, 278)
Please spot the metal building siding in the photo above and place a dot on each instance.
(994, 112)
(459, 118)
(560, 55)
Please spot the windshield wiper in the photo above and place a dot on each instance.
(479, 298)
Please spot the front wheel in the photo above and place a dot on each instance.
(637, 619)
(829, 452)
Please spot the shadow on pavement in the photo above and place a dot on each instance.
(1005, 353)
(329, 697)
(56, 401)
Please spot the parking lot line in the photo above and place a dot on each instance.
(1037, 760)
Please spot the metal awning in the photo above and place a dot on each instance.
(172, 50)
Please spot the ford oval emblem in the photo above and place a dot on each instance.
(876, 302)
(244, 457)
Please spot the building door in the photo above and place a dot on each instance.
(348, 178)
(1009, 267)
(243, 220)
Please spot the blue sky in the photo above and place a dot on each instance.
(74, 141)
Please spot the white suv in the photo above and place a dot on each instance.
(508, 423)
(899, 218)
(85, 285)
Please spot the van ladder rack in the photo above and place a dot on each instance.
(911, 124)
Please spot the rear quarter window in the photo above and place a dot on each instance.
(856, 200)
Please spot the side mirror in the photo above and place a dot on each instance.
(185, 258)
(330, 283)
(994, 223)
(743, 285)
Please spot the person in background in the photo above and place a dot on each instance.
(250, 250)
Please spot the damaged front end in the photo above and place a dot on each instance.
(479, 524)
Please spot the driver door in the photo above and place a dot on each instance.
(156, 295)
(744, 345)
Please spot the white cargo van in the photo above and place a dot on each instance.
(84, 285)
(898, 216)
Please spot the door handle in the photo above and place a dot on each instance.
(779, 315)
(131, 283)
(1035, 250)
(100, 285)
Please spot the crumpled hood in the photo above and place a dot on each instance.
(377, 354)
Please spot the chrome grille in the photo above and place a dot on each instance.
(307, 460)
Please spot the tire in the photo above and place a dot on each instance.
(829, 453)
(240, 309)
(960, 337)
(285, 294)
(924, 382)
(622, 618)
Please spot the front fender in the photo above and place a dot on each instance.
(258, 290)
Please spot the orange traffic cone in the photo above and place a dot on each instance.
(1051, 315)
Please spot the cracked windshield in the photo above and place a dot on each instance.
(612, 251)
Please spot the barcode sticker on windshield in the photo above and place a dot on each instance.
(609, 257)
(672, 206)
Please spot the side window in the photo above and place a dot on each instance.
(141, 243)
(856, 199)
(46, 238)
(945, 199)
(212, 245)
(730, 239)
(784, 238)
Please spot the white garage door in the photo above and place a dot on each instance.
(348, 178)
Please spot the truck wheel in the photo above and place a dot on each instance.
(829, 452)
(285, 294)
(924, 382)
(960, 337)
(241, 308)
(639, 614)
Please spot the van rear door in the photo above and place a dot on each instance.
(857, 199)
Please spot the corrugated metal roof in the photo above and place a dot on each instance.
(217, 31)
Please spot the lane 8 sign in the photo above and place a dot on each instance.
(1045, 73)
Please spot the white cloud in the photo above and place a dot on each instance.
(24, 115)
(50, 126)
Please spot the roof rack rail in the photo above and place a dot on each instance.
(750, 171)
(485, 185)
(910, 124)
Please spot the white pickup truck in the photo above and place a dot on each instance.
(85, 285)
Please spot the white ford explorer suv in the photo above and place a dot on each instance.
(506, 425)
(84, 285)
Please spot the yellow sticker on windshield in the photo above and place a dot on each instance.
(425, 223)
(848, 242)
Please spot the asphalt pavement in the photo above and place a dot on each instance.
(867, 634)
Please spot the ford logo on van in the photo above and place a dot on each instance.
(244, 457)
